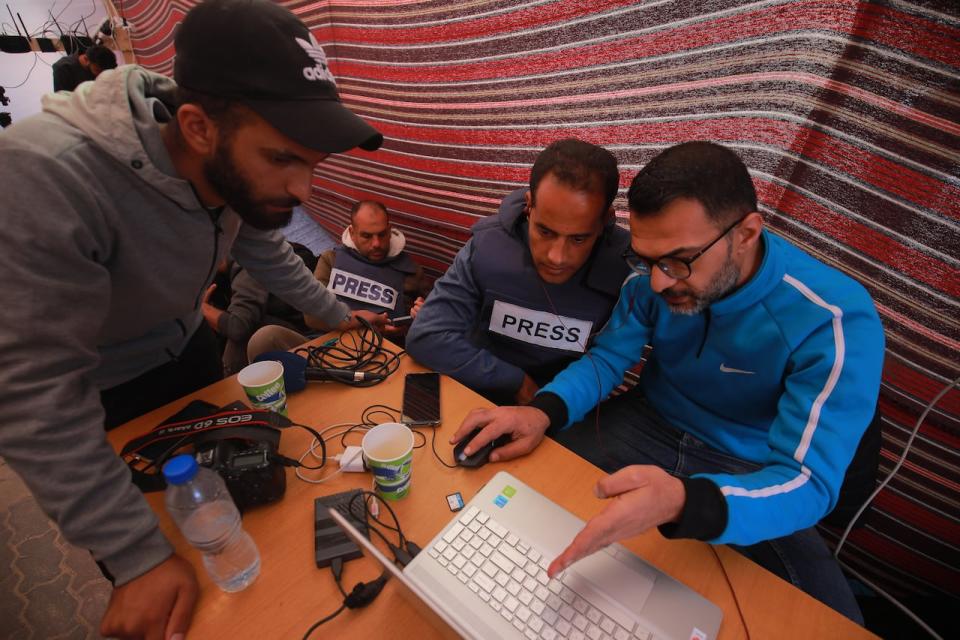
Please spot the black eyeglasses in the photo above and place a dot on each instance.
(675, 268)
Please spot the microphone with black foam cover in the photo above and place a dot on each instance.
(294, 368)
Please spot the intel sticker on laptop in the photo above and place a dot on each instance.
(504, 496)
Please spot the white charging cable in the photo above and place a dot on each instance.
(863, 507)
(350, 460)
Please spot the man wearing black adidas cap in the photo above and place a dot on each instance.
(121, 199)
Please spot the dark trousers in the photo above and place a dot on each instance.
(195, 368)
(632, 432)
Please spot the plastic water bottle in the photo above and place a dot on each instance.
(198, 500)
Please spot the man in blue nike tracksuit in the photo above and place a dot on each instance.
(763, 376)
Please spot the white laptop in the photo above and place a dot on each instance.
(484, 576)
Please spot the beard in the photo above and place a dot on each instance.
(722, 283)
(222, 173)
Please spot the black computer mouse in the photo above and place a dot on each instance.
(481, 455)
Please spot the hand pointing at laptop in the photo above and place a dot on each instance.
(639, 496)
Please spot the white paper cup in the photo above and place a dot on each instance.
(388, 453)
(263, 384)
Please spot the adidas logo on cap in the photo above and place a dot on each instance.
(320, 70)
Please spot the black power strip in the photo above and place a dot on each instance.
(329, 539)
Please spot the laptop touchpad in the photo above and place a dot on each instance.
(627, 584)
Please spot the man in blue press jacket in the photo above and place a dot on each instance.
(536, 281)
(763, 376)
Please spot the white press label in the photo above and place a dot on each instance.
(540, 327)
(350, 285)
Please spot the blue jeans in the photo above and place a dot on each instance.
(632, 432)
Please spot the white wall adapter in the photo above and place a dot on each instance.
(352, 459)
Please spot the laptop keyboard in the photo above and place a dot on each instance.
(510, 576)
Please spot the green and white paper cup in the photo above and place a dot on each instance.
(263, 383)
(388, 453)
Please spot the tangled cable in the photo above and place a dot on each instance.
(352, 352)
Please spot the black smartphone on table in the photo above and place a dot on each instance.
(421, 400)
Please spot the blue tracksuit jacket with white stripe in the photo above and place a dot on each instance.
(783, 372)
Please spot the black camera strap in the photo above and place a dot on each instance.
(237, 420)
(244, 424)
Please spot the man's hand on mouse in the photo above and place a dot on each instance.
(525, 425)
(640, 497)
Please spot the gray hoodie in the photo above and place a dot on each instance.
(105, 257)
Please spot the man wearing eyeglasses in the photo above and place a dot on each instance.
(762, 378)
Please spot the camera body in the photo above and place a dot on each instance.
(240, 444)
(249, 468)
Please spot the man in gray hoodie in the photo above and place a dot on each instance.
(121, 199)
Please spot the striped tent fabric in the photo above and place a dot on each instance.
(846, 112)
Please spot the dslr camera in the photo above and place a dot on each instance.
(250, 470)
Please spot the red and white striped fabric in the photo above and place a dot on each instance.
(846, 112)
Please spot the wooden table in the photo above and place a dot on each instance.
(291, 592)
